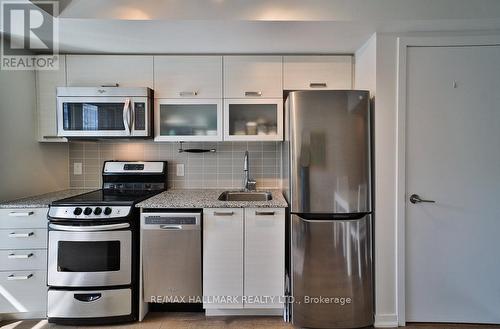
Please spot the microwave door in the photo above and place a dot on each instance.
(94, 116)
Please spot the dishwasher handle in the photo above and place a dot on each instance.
(171, 227)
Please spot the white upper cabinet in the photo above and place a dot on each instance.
(46, 83)
(253, 77)
(188, 76)
(99, 70)
(317, 72)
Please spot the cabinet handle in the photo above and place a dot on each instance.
(188, 93)
(19, 277)
(52, 137)
(265, 213)
(253, 93)
(225, 213)
(317, 85)
(24, 256)
(21, 213)
(20, 235)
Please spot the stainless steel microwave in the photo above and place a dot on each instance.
(104, 112)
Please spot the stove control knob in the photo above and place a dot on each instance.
(87, 211)
(107, 211)
(77, 211)
(97, 211)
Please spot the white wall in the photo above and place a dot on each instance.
(26, 166)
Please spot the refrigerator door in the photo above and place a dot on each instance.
(330, 151)
(332, 280)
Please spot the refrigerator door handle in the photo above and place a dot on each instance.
(330, 217)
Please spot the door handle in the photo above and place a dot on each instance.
(126, 115)
(253, 93)
(414, 198)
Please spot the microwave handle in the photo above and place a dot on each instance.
(126, 115)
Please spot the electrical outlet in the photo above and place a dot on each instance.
(180, 169)
(77, 168)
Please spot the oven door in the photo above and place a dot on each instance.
(103, 116)
(84, 257)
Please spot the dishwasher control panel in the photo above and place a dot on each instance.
(174, 220)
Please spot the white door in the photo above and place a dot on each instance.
(453, 158)
(223, 258)
(264, 265)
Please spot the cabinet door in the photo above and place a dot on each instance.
(98, 70)
(188, 76)
(46, 84)
(222, 256)
(253, 119)
(188, 120)
(23, 291)
(253, 77)
(264, 256)
(317, 72)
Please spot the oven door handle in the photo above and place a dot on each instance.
(69, 228)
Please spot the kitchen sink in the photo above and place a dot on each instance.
(245, 196)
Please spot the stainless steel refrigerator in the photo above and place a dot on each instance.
(329, 188)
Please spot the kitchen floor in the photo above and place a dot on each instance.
(158, 320)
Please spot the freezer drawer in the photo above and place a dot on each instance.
(89, 303)
(172, 257)
(332, 272)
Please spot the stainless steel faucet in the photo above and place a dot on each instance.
(248, 183)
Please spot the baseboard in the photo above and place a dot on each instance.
(23, 316)
(386, 321)
(248, 312)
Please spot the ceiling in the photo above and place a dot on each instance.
(257, 26)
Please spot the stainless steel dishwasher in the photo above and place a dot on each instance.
(171, 256)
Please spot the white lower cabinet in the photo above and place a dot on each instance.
(222, 257)
(243, 258)
(23, 263)
(264, 257)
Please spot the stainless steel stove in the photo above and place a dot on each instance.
(93, 252)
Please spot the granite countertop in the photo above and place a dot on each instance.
(42, 200)
(207, 198)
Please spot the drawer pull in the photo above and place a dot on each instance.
(21, 235)
(22, 256)
(87, 297)
(13, 277)
(21, 213)
(317, 85)
(265, 213)
(223, 213)
(253, 93)
(188, 93)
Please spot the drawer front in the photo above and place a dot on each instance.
(23, 259)
(23, 291)
(23, 238)
(89, 303)
(23, 217)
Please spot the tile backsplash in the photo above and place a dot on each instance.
(222, 169)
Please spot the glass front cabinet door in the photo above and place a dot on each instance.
(188, 120)
(253, 119)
